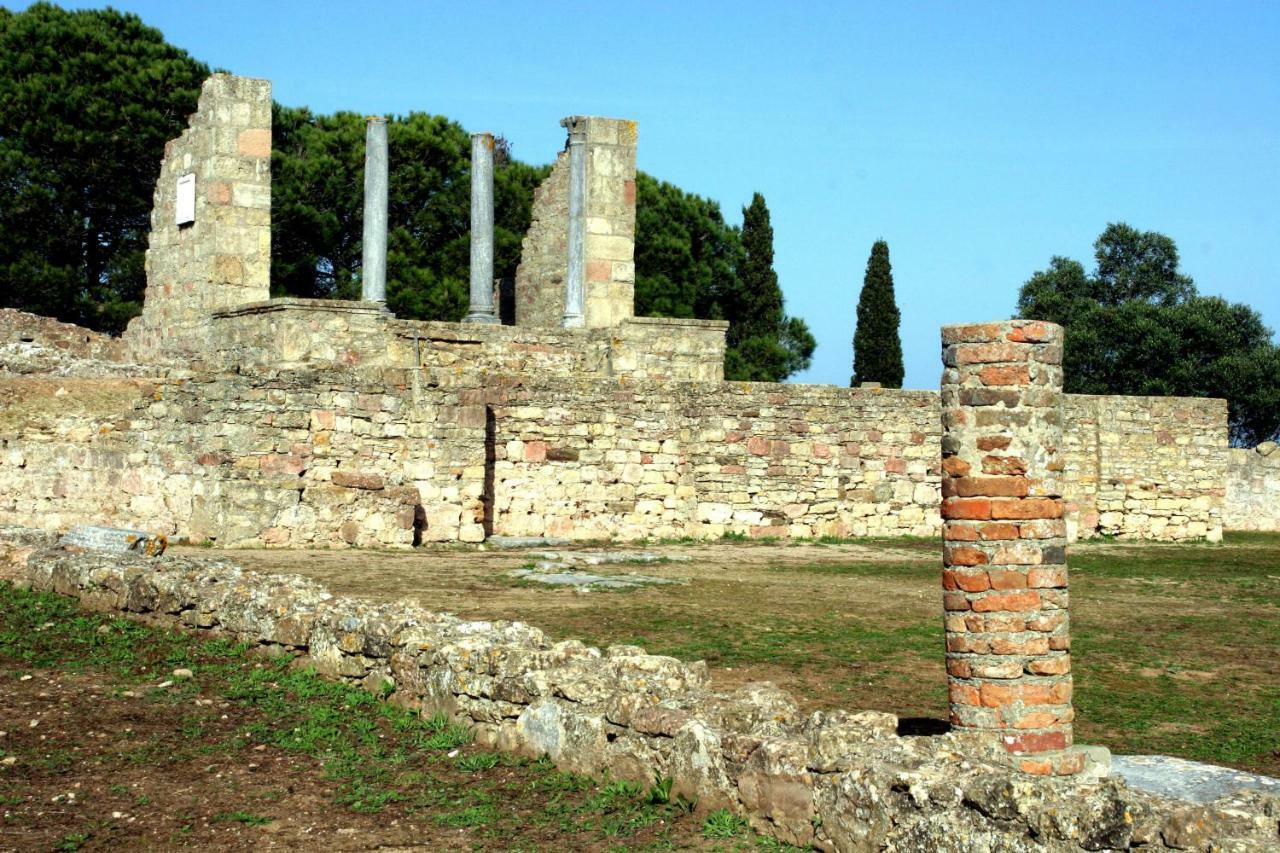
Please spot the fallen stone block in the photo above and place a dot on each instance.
(115, 540)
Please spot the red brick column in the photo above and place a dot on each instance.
(1004, 548)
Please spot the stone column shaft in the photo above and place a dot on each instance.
(575, 292)
(1004, 565)
(482, 310)
(373, 266)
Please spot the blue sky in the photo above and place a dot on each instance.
(978, 139)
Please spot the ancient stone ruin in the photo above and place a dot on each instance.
(224, 416)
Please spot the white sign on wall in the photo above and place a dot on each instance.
(185, 210)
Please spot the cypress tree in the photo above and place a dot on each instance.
(877, 349)
(764, 345)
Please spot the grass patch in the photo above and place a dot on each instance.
(376, 759)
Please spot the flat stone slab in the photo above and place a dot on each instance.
(561, 574)
(600, 558)
(1193, 781)
(523, 541)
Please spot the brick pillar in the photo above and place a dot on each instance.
(1004, 549)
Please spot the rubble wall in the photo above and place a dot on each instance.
(834, 780)
(19, 327)
(1253, 489)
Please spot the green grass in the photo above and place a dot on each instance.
(377, 758)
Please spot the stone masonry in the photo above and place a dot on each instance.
(1253, 488)
(610, 233)
(1005, 575)
(222, 259)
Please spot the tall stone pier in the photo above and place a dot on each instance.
(1004, 541)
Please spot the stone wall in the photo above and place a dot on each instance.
(834, 780)
(248, 457)
(304, 462)
(1146, 467)
(610, 233)
(633, 460)
(222, 259)
(544, 253)
(1253, 489)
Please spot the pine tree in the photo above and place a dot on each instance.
(877, 349)
(764, 345)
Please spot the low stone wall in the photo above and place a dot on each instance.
(835, 780)
(1253, 489)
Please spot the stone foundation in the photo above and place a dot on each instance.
(835, 780)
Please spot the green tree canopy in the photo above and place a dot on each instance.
(1138, 326)
(877, 349)
(87, 101)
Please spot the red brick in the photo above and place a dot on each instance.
(996, 695)
(963, 694)
(1011, 465)
(959, 533)
(1034, 333)
(535, 451)
(954, 601)
(959, 668)
(1030, 719)
(758, 445)
(1009, 646)
(993, 442)
(896, 466)
(629, 192)
(1014, 601)
(1027, 509)
(992, 353)
(1059, 665)
(966, 644)
(967, 581)
(997, 531)
(968, 487)
(963, 555)
(1008, 580)
(1020, 375)
(1044, 578)
(955, 466)
(1060, 643)
(598, 270)
(966, 508)
(1036, 741)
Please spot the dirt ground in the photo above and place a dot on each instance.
(737, 596)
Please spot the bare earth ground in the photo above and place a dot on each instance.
(1175, 645)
